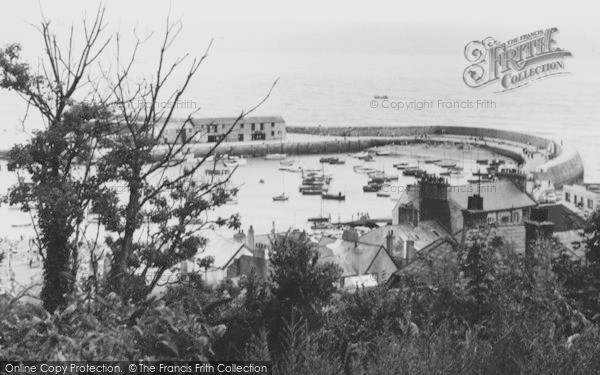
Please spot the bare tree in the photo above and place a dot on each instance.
(158, 222)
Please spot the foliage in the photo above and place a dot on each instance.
(104, 328)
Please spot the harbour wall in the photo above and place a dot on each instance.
(565, 167)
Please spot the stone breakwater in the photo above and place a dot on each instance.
(564, 167)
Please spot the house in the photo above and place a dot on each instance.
(214, 129)
(503, 202)
(585, 196)
(233, 258)
(362, 264)
(402, 239)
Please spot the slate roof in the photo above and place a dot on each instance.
(424, 234)
(497, 196)
(222, 249)
(354, 258)
(563, 218)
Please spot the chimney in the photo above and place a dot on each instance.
(351, 235)
(415, 218)
(475, 203)
(250, 238)
(409, 253)
(389, 242)
(239, 237)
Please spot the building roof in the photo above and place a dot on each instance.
(231, 120)
(564, 219)
(424, 234)
(222, 249)
(354, 258)
(442, 251)
(497, 195)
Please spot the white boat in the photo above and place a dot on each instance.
(291, 168)
(360, 155)
(364, 170)
(382, 152)
(234, 161)
(288, 162)
(275, 156)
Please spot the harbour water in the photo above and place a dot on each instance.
(255, 202)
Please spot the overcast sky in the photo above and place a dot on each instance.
(239, 14)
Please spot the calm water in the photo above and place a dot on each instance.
(255, 199)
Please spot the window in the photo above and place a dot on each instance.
(240, 137)
(253, 127)
(166, 140)
(568, 197)
(262, 126)
(491, 219)
(516, 217)
(242, 126)
(272, 133)
(505, 219)
(272, 124)
(590, 204)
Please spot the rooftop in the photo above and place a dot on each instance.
(424, 234)
(497, 195)
(354, 258)
(222, 249)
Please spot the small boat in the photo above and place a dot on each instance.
(382, 152)
(481, 161)
(361, 155)
(384, 194)
(399, 165)
(414, 172)
(319, 219)
(275, 156)
(371, 188)
(483, 180)
(234, 161)
(312, 191)
(291, 168)
(325, 160)
(21, 225)
(337, 161)
(432, 161)
(338, 197)
(288, 162)
(446, 164)
(323, 225)
(281, 198)
(369, 158)
(364, 170)
(445, 173)
(405, 166)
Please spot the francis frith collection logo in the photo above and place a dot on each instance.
(515, 63)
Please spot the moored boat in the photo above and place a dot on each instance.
(339, 196)
(275, 156)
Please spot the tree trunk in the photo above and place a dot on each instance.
(57, 271)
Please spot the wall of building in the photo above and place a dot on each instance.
(578, 194)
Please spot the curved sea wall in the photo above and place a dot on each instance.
(566, 167)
